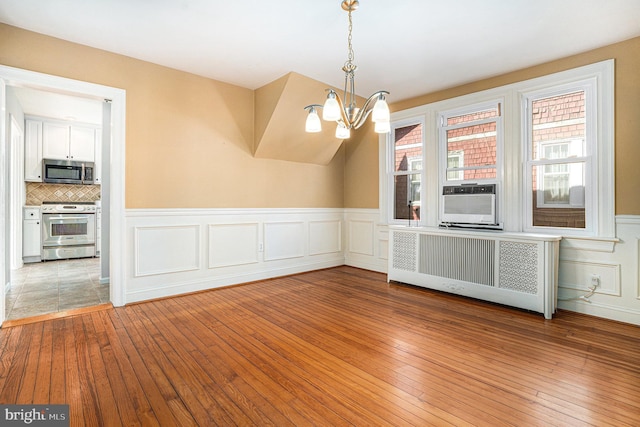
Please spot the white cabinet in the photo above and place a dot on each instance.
(63, 141)
(33, 151)
(31, 243)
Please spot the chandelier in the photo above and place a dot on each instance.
(345, 112)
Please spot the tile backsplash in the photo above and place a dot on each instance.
(39, 192)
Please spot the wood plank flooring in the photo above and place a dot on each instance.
(334, 347)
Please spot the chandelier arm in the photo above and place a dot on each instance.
(343, 113)
(366, 109)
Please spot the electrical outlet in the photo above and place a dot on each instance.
(595, 280)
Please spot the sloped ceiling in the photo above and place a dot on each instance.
(280, 119)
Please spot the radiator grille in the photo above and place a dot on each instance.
(519, 267)
(459, 258)
(404, 251)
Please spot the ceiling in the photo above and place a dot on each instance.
(406, 47)
(59, 106)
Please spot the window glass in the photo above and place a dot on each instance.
(472, 117)
(407, 161)
(471, 143)
(558, 152)
(455, 160)
(559, 185)
(558, 119)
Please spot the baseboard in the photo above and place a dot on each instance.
(379, 267)
(222, 281)
(619, 314)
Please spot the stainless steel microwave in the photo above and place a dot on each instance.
(67, 172)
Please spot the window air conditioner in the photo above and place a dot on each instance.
(469, 205)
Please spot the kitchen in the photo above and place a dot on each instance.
(56, 201)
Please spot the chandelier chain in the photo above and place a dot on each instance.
(349, 39)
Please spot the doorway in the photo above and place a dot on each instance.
(110, 264)
(74, 281)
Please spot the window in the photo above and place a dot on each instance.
(407, 170)
(547, 143)
(415, 164)
(558, 142)
(560, 185)
(469, 137)
(455, 163)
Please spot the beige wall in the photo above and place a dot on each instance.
(627, 123)
(175, 119)
(361, 168)
(179, 118)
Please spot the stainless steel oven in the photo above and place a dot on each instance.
(68, 230)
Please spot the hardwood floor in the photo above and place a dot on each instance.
(333, 347)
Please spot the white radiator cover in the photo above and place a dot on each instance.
(515, 269)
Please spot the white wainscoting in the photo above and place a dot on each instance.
(284, 240)
(618, 296)
(367, 240)
(233, 244)
(325, 237)
(166, 249)
(175, 251)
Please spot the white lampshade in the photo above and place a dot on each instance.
(331, 109)
(342, 132)
(380, 111)
(382, 127)
(313, 123)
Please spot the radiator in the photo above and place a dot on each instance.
(460, 258)
(515, 269)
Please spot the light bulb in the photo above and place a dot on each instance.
(331, 109)
(342, 132)
(382, 127)
(380, 111)
(313, 123)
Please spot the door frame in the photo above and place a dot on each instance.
(10, 76)
(16, 191)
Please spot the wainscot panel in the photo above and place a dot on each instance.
(616, 295)
(367, 240)
(583, 276)
(325, 237)
(166, 249)
(233, 244)
(284, 240)
(176, 251)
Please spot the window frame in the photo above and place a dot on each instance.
(443, 143)
(595, 111)
(391, 173)
(512, 196)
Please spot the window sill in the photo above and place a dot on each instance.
(595, 244)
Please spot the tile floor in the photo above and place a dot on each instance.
(52, 286)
